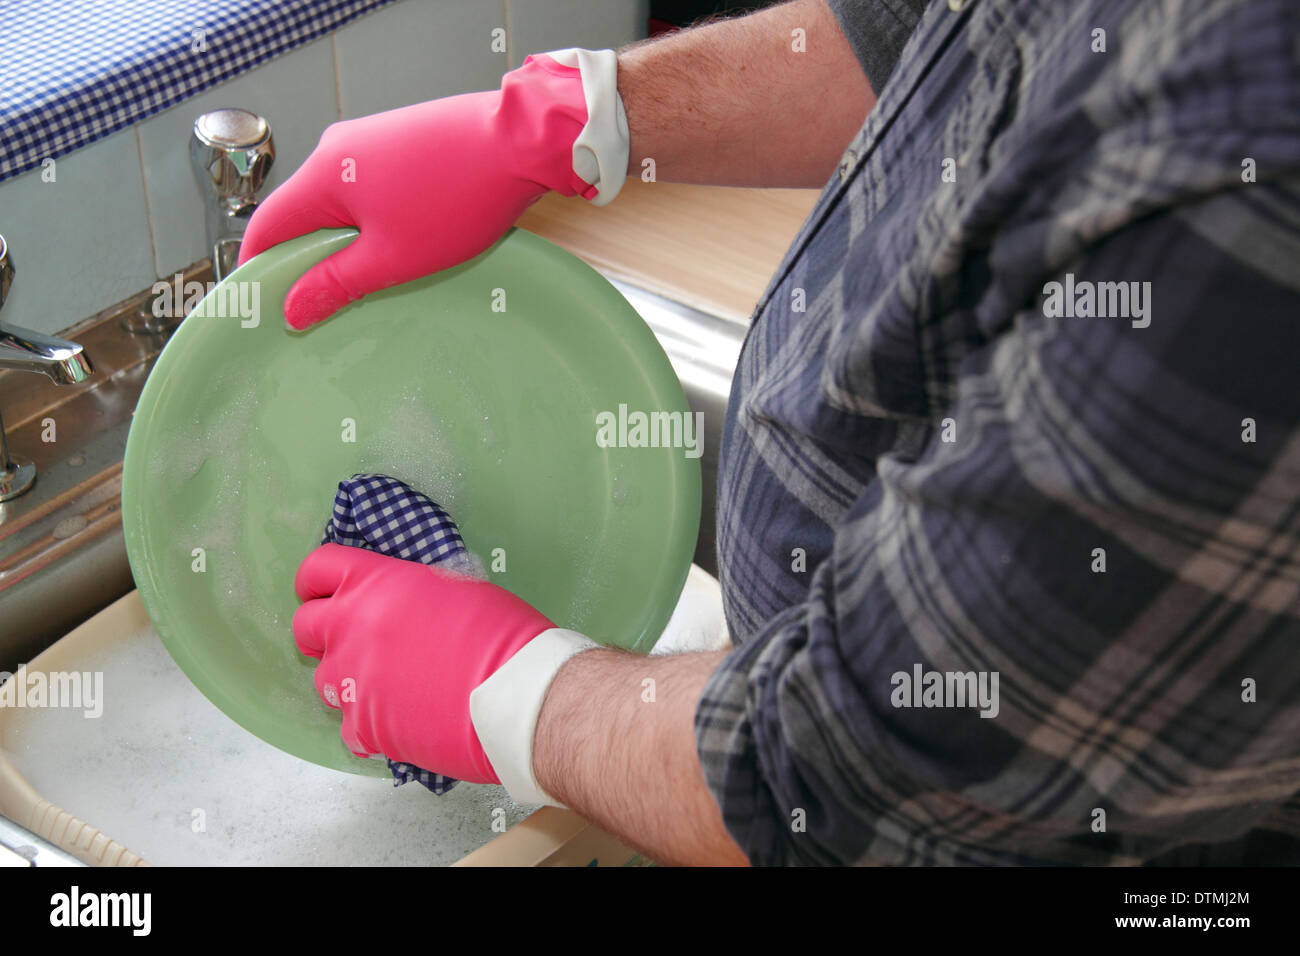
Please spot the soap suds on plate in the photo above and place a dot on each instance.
(422, 456)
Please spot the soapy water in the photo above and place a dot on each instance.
(162, 761)
(231, 493)
(429, 463)
(248, 497)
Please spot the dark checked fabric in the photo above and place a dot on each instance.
(878, 31)
(925, 466)
(383, 514)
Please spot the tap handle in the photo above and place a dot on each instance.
(231, 151)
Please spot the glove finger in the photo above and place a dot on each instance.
(294, 209)
(322, 572)
(352, 737)
(328, 684)
(334, 282)
(310, 627)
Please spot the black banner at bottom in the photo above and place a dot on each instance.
(330, 905)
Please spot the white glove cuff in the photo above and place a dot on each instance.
(505, 707)
(601, 150)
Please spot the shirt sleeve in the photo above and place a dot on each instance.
(1106, 520)
(878, 30)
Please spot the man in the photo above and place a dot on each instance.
(1021, 395)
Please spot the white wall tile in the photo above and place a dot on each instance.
(296, 94)
(539, 25)
(418, 50)
(79, 243)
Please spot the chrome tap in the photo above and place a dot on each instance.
(231, 152)
(66, 363)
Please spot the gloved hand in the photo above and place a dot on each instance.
(434, 184)
(402, 648)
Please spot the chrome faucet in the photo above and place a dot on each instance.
(66, 363)
(231, 152)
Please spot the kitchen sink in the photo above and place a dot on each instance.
(62, 554)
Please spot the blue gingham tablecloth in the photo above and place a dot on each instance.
(75, 71)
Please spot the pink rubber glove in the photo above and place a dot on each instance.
(428, 185)
(401, 647)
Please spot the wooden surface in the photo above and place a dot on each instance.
(710, 247)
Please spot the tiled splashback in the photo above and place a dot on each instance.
(126, 210)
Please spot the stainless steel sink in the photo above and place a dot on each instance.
(703, 349)
(62, 556)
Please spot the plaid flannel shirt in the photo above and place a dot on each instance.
(937, 461)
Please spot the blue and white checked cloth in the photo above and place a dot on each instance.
(383, 514)
(75, 71)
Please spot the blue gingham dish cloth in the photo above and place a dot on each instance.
(383, 514)
(76, 71)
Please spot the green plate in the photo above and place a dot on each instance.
(479, 386)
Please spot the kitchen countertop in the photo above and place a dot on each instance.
(710, 247)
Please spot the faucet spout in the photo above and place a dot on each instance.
(66, 363)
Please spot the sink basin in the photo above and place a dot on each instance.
(154, 773)
(176, 782)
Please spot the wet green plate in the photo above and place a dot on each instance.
(245, 428)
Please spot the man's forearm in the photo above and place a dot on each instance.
(615, 741)
(735, 103)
